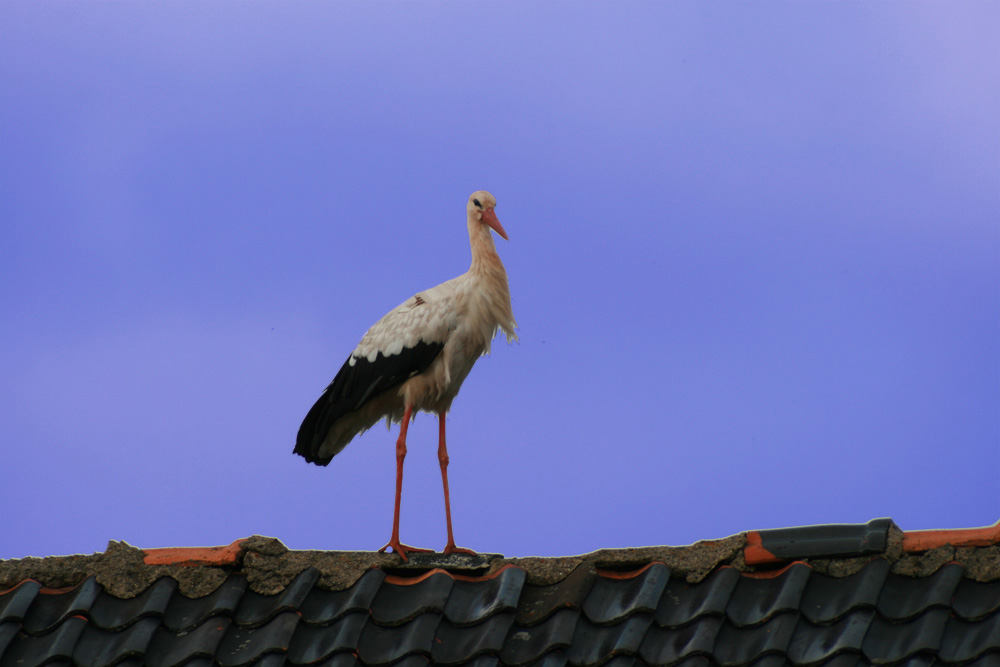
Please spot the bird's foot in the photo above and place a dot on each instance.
(452, 549)
(403, 549)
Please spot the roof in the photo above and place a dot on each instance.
(819, 595)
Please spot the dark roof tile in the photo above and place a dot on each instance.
(664, 646)
(538, 603)
(169, 649)
(243, 645)
(758, 599)
(526, 644)
(815, 643)
(380, 645)
(888, 641)
(827, 598)
(398, 601)
(741, 645)
(113, 613)
(48, 611)
(551, 659)
(185, 613)
(323, 607)
(592, 644)
(256, 609)
(616, 597)
(97, 647)
(976, 600)
(963, 641)
(472, 601)
(15, 603)
(683, 602)
(311, 644)
(28, 649)
(456, 644)
(905, 597)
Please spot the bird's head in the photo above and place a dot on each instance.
(480, 208)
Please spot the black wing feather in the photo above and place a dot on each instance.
(356, 385)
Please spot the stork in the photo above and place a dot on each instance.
(415, 359)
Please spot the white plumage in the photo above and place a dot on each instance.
(416, 358)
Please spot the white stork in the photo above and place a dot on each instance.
(415, 358)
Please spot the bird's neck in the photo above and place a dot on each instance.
(485, 260)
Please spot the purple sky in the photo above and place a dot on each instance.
(754, 255)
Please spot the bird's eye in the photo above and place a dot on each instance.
(476, 202)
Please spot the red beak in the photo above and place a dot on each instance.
(490, 218)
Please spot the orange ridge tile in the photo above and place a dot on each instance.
(409, 581)
(925, 540)
(194, 556)
(754, 552)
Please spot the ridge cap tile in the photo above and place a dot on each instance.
(611, 599)
(682, 603)
(455, 645)
(756, 600)
(395, 604)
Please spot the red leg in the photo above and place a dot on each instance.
(394, 542)
(450, 548)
